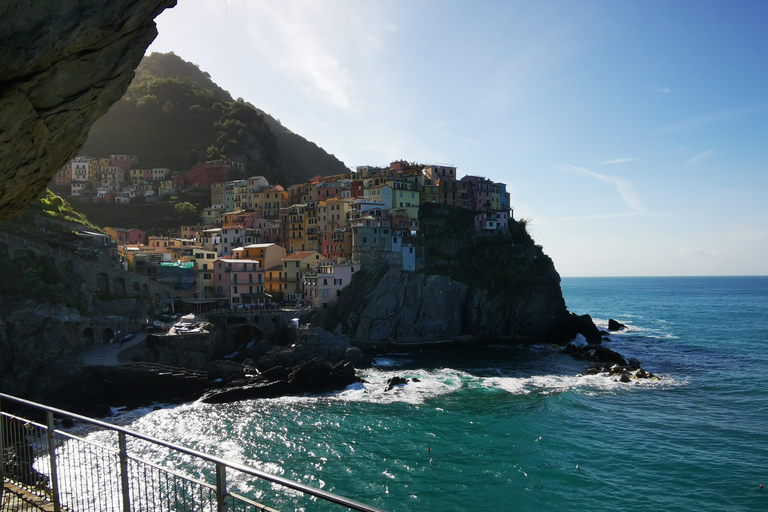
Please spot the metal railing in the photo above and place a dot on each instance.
(78, 474)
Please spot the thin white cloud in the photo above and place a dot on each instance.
(617, 161)
(701, 156)
(317, 45)
(716, 117)
(624, 187)
(665, 90)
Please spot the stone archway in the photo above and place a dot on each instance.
(136, 287)
(107, 334)
(145, 288)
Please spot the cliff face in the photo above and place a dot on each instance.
(471, 285)
(63, 65)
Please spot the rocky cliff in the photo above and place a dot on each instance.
(63, 64)
(483, 286)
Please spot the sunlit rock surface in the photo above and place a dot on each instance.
(62, 64)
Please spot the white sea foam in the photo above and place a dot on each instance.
(434, 383)
(550, 384)
(579, 341)
(430, 384)
(383, 362)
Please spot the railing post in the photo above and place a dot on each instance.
(52, 455)
(2, 457)
(221, 487)
(123, 449)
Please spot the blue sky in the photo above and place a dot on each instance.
(633, 134)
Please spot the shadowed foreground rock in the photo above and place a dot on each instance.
(315, 376)
(63, 65)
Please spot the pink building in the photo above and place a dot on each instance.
(478, 192)
(127, 236)
(323, 286)
(240, 281)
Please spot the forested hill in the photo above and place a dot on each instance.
(173, 115)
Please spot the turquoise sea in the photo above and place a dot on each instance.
(504, 428)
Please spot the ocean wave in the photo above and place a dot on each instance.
(551, 384)
(429, 384)
(434, 383)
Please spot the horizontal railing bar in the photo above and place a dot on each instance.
(285, 482)
(173, 473)
(250, 502)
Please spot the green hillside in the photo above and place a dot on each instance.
(173, 115)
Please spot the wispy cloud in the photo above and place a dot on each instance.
(716, 117)
(315, 49)
(665, 90)
(701, 156)
(617, 161)
(624, 187)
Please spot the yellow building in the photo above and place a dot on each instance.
(268, 255)
(429, 194)
(268, 202)
(293, 266)
(273, 282)
(137, 175)
(190, 232)
(204, 272)
(309, 194)
(495, 197)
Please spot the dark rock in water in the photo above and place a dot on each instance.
(415, 379)
(613, 325)
(604, 333)
(625, 378)
(314, 376)
(395, 381)
(318, 375)
(633, 363)
(586, 327)
(225, 370)
(606, 338)
(67, 423)
(641, 374)
(597, 353)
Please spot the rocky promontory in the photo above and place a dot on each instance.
(481, 286)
